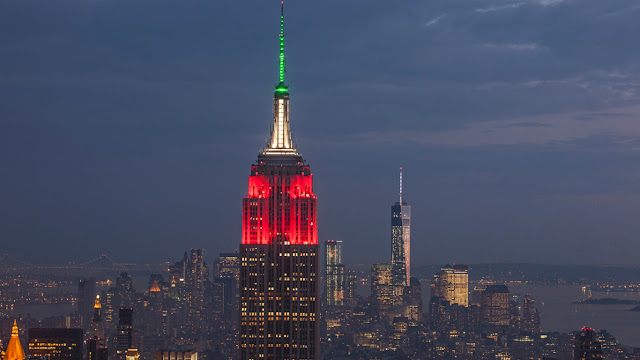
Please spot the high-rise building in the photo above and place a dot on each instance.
(335, 273)
(96, 342)
(86, 296)
(530, 316)
(56, 344)
(587, 345)
(452, 284)
(279, 250)
(494, 304)
(413, 301)
(124, 333)
(351, 287)
(401, 242)
(382, 287)
(14, 349)
(225, 285)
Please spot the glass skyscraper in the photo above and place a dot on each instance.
(401, 242)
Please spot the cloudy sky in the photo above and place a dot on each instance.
(129, 127)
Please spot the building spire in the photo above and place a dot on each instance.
(400, 186)
(14, 349)
(282, 60)
(281, 143)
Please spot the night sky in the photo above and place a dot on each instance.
(129, 127)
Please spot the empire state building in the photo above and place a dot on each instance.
(279, 250)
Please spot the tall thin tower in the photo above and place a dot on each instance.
(279, 250)
(401, 241)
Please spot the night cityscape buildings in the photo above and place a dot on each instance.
(279, 304)
(263, 301)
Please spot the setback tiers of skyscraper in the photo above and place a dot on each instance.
(279, 250)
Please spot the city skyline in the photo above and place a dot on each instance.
(125, 152)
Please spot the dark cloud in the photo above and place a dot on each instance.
(129, 127)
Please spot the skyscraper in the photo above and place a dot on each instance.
(382, 288)
(124, 333)
(401, 242)
(335, 273)
(530, 316)
(86, 296)
(587, 346)
(96, 343)
(279, 250)
(494, 304)
(452, 284)
(225, 285)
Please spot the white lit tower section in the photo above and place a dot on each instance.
(401, 241)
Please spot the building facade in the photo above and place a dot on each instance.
(334, 274)
(382, 287)
(452, 284)
(56, 344)
(279, 250)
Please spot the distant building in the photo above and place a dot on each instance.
(351, 287)
(401, 242)
(587, 346)
(132, 354)
(124, 333)
(413, 301)
(495, 307)
(452, 284)
(56, 344)
(335, 273)
(382, 288)
(225, 285)
(175, 355)
(86, 296)
(530, 316)
(14, 349)
(96, 342)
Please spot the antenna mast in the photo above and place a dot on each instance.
(400, 186)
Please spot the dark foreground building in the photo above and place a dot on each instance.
(56, 344)
(279, 250)
(587, 346)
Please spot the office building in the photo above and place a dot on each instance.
(334, 273)
(124, 333)
(279, 250)
(587, 345)
(530, 316)
(495, 307)
(86, 296)
(56, 344)
(382, 287)
(452, 284)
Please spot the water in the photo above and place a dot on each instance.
(559, 314)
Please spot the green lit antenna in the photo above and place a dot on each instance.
(282, 61)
